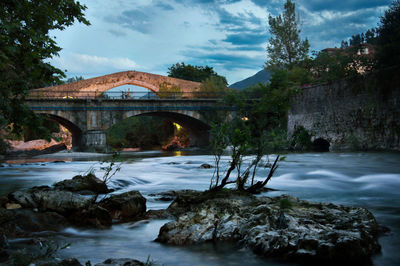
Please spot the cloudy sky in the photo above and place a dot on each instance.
(229, 35)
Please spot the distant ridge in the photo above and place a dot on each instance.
(262, 76)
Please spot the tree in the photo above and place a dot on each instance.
(285, 48)
(25, 46)
(389, 36)
(213, 87)
(356, 40)
(193, 73)
(74, 79)
(237, 135)
(344, 44)
(260, 114)
(140, 132)
(327, 67)
(370, 36)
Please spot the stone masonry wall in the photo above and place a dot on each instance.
(352, 115)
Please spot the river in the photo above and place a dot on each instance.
(370, 180)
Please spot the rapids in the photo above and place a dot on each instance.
(370, 180)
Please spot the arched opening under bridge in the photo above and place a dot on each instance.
(321, 145)
(75, 131)
(129, 91)
(158, 129)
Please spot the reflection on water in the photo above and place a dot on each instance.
(370, 180)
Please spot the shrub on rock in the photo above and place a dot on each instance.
(79, 183)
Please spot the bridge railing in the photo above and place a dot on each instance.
(122, 95)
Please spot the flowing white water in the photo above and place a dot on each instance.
(370, 180)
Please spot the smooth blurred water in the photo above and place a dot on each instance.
(370, 180)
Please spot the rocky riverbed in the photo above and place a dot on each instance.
(284, 228)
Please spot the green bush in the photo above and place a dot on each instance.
(140, 132)
(300, 140)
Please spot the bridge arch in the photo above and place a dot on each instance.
(198, 129)
(321, 145)
(72, 127)
(97, 86)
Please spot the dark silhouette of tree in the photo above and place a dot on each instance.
(193, 73)
(25, 46)
(389, 36)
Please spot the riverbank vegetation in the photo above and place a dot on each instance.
(140, 132)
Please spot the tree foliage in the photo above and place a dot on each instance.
(260, 119)
(74, 79)
(389, 36)
(213, 87)
(193, 73)
(340, 64)
(370, 37)
(285, 48)
(25, 46)
(140, 132)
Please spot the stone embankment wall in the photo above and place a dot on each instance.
(352, 115)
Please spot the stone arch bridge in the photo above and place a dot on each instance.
(95, 87)
(81, 108)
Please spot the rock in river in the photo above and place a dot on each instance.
(126, 206)
(284, 227)
(23, 222)
(76, 208)
(47, 198)
(81, 183)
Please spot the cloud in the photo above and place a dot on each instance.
(348, 5)
(91, 65)
(117, 33)
(329, 28)
(274, 7)
(134, 19)
(164, 6)
(246, 38)
(226, 60)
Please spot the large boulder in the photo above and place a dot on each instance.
(78, 209)
(283, 227)
(24, 222)
(23, 197)
(86, 183)
(64, 202)
(94, 216)
(126, 206)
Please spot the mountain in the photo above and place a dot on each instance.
(260, 77)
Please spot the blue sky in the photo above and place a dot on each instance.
(229, 35)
